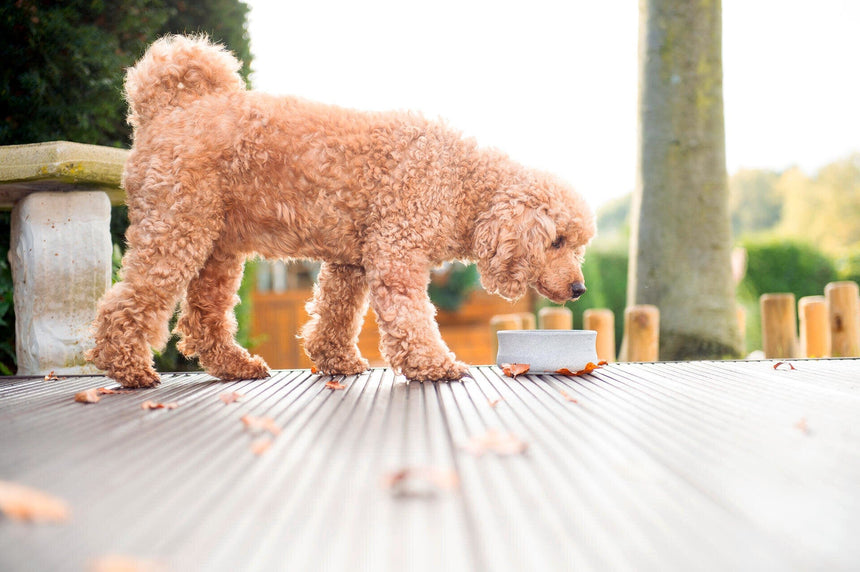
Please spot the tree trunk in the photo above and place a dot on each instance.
(680, 249)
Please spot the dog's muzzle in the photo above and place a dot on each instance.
(577, 289)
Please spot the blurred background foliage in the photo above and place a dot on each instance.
(62, 78)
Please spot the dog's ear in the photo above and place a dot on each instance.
(509, 241)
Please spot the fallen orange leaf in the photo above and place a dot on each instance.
(496, 442)
(26, 504)
(121, 563)
(258, 424)
(779, 365)
(92, 395)
(589, 367)
(515, 369)
(567, 396)
(154, 405)
(229, 398)
(262, 445)
(413, 481)
(106, 391)
(335, 385)
(88, 396)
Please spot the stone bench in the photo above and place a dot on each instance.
(60, 194)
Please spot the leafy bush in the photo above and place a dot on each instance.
(848, 265)
(62, 76)
(450, 288)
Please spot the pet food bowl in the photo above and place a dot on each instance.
(547, 351)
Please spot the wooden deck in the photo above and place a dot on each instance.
(667, 466)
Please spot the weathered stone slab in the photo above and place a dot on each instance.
(61, 259)
(59, 166)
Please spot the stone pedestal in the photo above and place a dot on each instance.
(61, 263)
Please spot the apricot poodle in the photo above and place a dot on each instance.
(218, 173)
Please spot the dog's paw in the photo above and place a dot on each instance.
(136, 379)
(241, 367)
(344, 366)
(450, 370)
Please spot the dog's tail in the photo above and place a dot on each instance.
(176, 70)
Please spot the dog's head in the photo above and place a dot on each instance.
(534, 234)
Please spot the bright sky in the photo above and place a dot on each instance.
(554, 84)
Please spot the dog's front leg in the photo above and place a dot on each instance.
(409, 335)
(337, 313)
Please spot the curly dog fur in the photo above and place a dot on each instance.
(218, 173)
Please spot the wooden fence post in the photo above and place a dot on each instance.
(527, 320)
(741, 317)
(814, 326)
(844, 303)
(641, 333)
(778, 325)
(602, 320)
(503, 322)
(555, 318)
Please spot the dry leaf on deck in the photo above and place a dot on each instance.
(121, 563)
(494, 402)
(494, 441)
(335, 385)
(515, 369)
(26, 504)
(780, 364)
(92, 395)
(260, 424)
(262, 445)
(106, 391)
(231, 397)
(568, 397)
(414, 481)
(154, 405)
(88, 396)
(589, 367)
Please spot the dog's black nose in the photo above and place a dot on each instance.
(577, 289)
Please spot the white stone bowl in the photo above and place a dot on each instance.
(547, 351)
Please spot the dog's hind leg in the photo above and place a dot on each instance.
(208, 324)
(337, 313)
(133, 316)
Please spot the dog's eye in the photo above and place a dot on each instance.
(558, 242)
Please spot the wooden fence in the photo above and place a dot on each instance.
(277, 319)
(829, 325)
